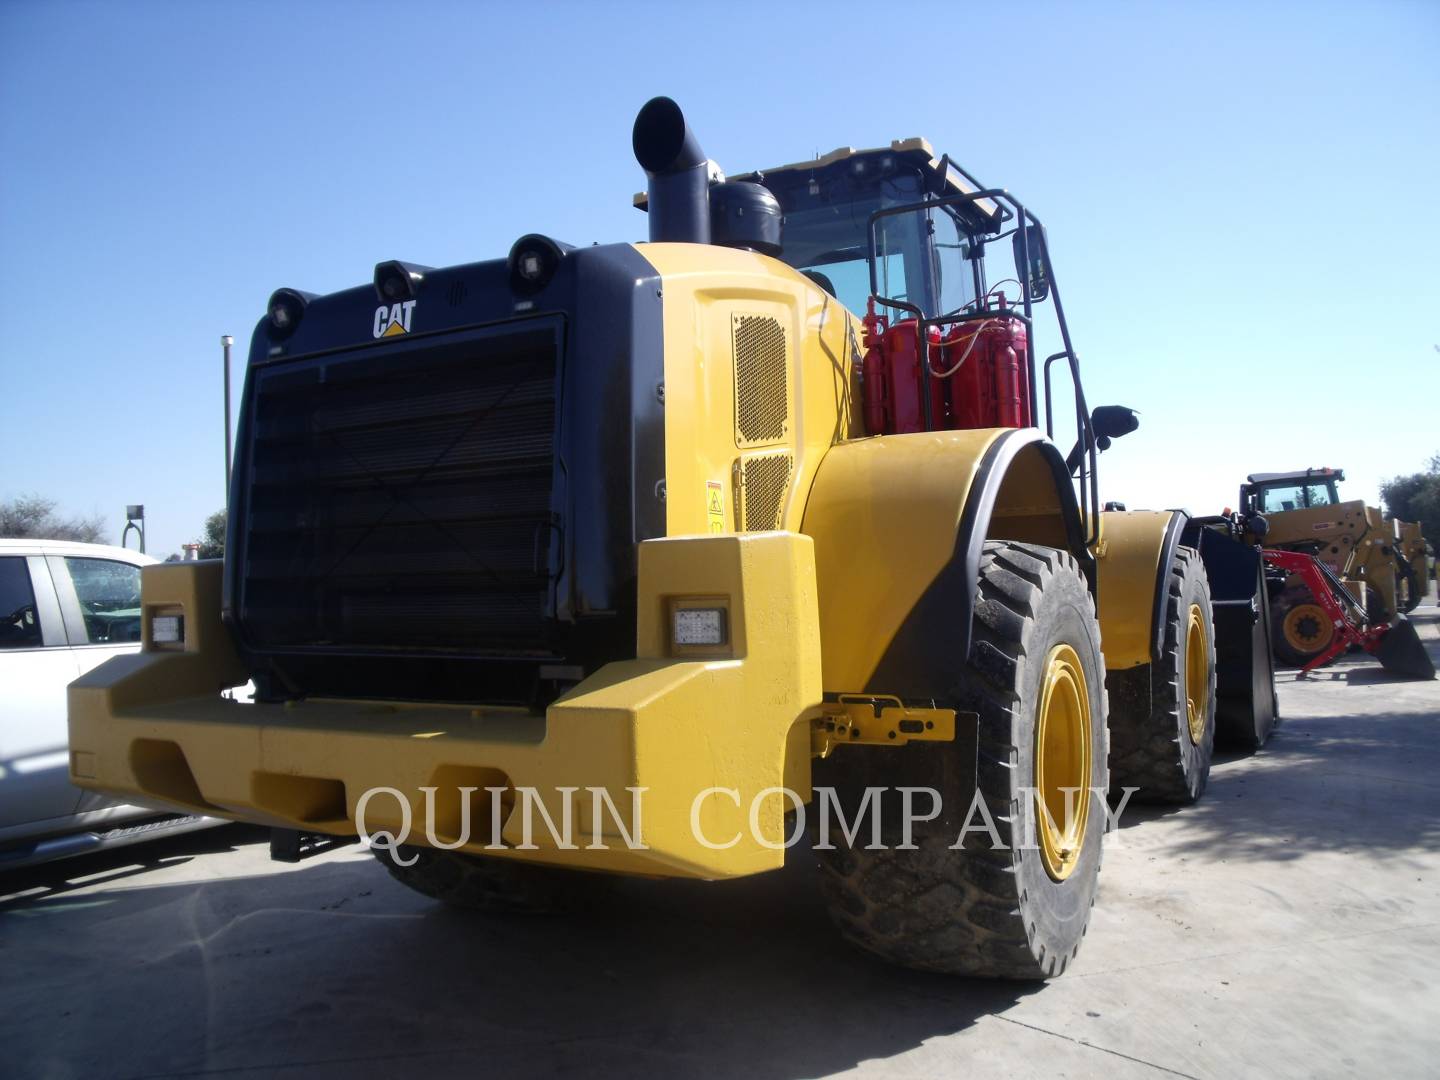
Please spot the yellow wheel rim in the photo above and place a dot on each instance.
(1197, 674)
(1307, 628)
(1062, 760)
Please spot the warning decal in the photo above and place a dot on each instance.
(715, 506)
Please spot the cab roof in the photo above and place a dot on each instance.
(917, 150)
(1297, 477)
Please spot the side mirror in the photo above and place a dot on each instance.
(1258, 526)
(1110, 422)
(1031, 262)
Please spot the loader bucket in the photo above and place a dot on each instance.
(1401, 651)
(1246, 709)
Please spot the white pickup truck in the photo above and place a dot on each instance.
(64, 609)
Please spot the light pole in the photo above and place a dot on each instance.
(134, 519)
(225, 342)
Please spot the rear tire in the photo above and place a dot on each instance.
(1408, 583)
(1162, 719)
(982, 912)
(493, 885)
(1299, 627)
(1375, 609)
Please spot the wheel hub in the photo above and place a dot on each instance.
(1197, 674)
(1307, 629)
(1062, 762)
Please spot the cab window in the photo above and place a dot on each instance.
(19, 622)
(1295, 497)
(109, 596)
(1275, 499)
(953, 268)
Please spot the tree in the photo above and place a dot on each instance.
(213, 546)
(1416, 498)
(33, 517)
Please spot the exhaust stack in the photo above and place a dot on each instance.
(677, 171)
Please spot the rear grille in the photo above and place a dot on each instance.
(762, 400)
(763, 479)
(401, 498)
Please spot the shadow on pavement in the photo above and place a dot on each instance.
(1337, 775)
(64, 875)
(333, 967)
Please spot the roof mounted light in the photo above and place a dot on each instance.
(284, 312)
(533, 262)
(396, 281)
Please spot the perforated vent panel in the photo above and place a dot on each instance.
(761, 394)
(763, 480)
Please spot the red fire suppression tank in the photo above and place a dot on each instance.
(985, 373)
(895, 380)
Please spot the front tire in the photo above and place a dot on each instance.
(1035, 679)
(1162, 724)
(1301, 628)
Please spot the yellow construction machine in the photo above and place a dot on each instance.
(1303, 512)
(624, 559)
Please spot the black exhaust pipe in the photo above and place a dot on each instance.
(678, 174)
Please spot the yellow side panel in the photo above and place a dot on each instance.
(884, 513)
(706, 290)
(1356, 542)
(1129, 567)
(1338, 528)
(737, 724)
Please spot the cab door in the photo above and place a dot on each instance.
(36, 665)
(100, 602)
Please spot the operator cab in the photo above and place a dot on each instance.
(900, 238)
(1272, 493)
(931, 257)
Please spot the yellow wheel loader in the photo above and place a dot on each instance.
(1303, 512)
(646, 558)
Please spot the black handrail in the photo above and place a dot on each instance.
(1088, 480)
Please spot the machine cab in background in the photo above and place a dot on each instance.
(1273, 493)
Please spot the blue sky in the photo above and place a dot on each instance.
(1240, 198)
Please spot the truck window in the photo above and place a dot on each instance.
(109, 595)
(19, 622)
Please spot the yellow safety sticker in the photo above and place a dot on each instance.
(715, 505)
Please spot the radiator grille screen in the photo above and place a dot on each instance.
(763, 480)
(402, 499)
(761, 395)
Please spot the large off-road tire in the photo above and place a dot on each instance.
(1299, 627)
(1018, 912)
(1408, 585)
(1162, 719)
(1376, 609)
(493, 885)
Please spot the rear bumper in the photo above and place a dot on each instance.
(155, 725)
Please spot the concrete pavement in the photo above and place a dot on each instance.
(1287, 926)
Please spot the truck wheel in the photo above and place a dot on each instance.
(1162, 727)
(490, 884)
(1035, 677)
(1301, 629)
